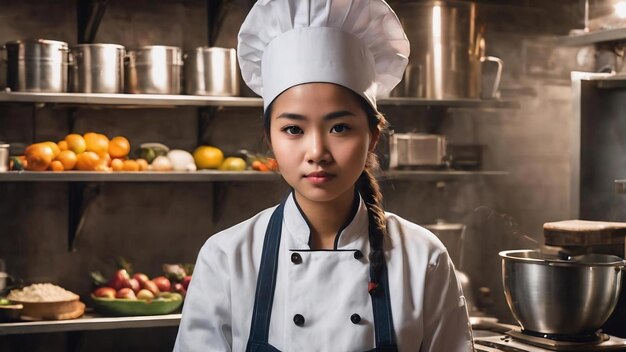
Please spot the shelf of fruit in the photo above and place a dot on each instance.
(92, 157)
(158, 100)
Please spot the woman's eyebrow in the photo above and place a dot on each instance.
(330, 116)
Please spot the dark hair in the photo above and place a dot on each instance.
(368, 188)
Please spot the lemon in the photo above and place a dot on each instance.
(233, 164)
(208, 157)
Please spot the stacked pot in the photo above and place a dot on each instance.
(50, 66)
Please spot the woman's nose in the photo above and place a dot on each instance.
(317, 150)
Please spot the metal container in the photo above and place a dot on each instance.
(212, 71)
(4, 157)
(417, 150)
(446, 51)
(37, 65)
(98, 68)
(451, 235)
(548, 294)
(155, 69)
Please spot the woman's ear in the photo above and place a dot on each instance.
(374, 136)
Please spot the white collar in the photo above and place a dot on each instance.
(352, 236)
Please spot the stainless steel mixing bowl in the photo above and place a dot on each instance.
(556, 295)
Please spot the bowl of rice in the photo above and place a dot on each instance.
(47, 302)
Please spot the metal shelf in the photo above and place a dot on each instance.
(89, 322)
(217, 176)
(609, 35)
(156, 100)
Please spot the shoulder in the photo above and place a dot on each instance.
(243, 234)
(413, 238)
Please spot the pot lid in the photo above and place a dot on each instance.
(442, 225)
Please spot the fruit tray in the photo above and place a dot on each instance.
(135, 307)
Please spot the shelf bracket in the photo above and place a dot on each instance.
(81, 197)
(89, 13)
(206, 118)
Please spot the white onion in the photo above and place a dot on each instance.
(180, 159)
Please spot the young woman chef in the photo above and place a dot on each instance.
(327, 269)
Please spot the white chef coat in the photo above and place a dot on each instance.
(327, 287)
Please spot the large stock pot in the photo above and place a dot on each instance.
(155, 69)
(98, 68)
(37, 65)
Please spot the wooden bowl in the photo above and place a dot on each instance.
(60, 310)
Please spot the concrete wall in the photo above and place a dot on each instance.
(155, 223)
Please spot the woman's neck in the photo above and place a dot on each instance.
(326, 218)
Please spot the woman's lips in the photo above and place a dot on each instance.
(318, 177)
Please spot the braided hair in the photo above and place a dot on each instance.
(368, 188)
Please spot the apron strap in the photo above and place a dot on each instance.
(266, 281)
(383, 322)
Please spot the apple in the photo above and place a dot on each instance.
(186, 281)
(105, 292)
(179, 288)
(132, 284)
(141, 277)
(145, 294)
(125, 292)
(119, 279)
(162, 283)
(150, 286)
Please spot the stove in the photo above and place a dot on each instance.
(515, 340)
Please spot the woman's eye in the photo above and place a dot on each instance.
(292, 130)
(339, 128)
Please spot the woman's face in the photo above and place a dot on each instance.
(320, 137)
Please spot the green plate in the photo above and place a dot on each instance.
(127, 307)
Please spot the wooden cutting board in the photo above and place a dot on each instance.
(584, 233)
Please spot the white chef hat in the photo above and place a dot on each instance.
(358, 44)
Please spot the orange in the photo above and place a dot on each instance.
(56, 165)
(38, 157)
(97, 143)
(143, 164)
(87, 161)
(76, 143)
(117, 164)
(207, 157)
(119, 147)
(105, 159)
(62, 145)
(55, 148)
(130, 165)
(67, 158)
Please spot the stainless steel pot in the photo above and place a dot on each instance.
(155, 69)
(37, 65)
(451, 235)
(212, 71)
(4, 157)
(98, 68)
(446, 51)
(562, 296)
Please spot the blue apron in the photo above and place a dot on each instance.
(264, 297)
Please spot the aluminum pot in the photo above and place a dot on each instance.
(447, 51)
(548, 294)
(155, 69)
(212, 71)
(37, 65)
(98, 68)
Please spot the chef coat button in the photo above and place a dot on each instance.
(296, 258)
(358, 254)
(298, 319)
(355, 318)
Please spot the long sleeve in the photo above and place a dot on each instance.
(446, 322)
(206, 323)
